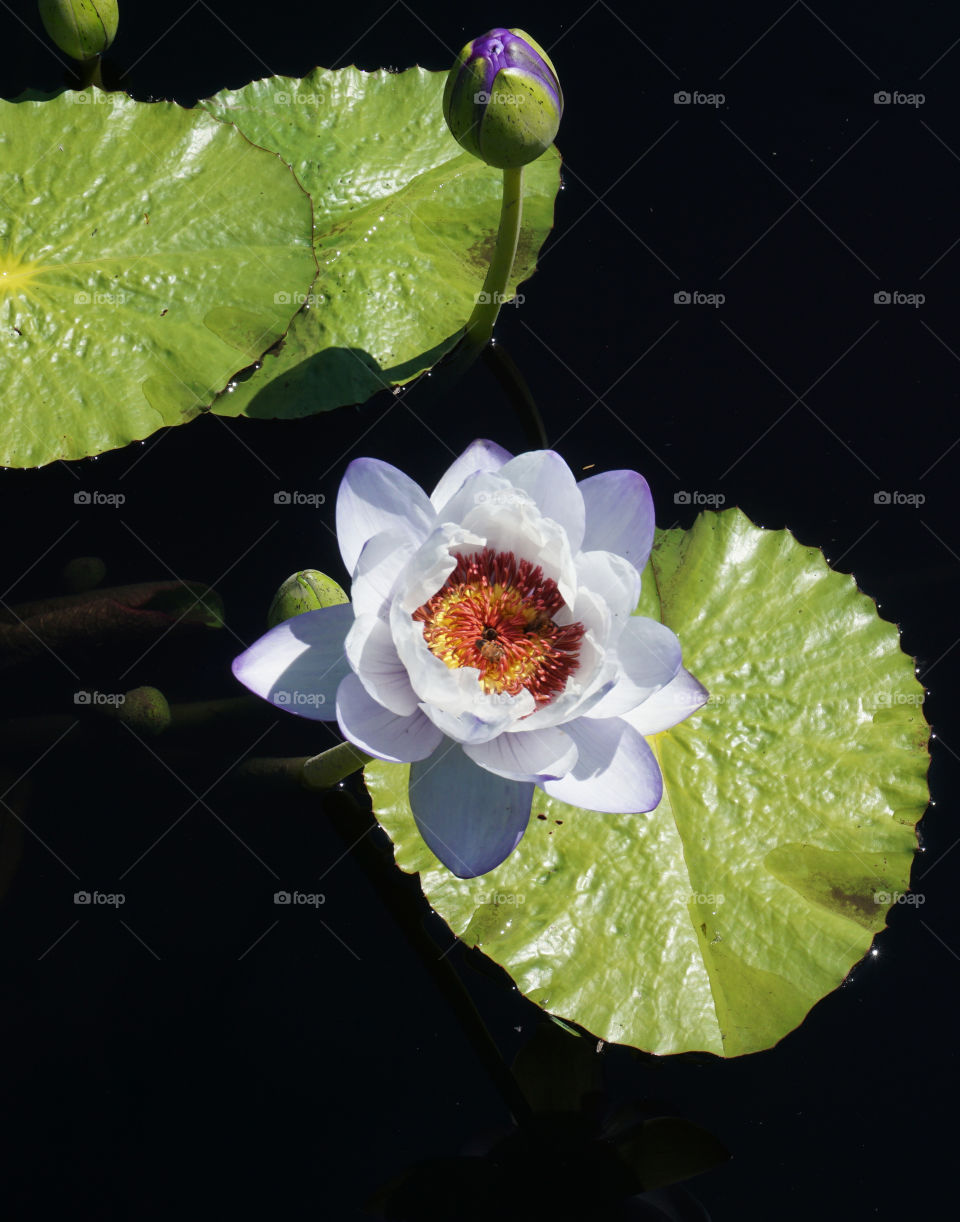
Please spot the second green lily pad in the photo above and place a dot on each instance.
(406, 223)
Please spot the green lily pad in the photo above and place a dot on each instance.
(147, 253)
(406, 223)
(785, 833)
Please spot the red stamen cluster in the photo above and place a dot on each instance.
(495, 612)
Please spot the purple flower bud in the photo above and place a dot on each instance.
(502, 100)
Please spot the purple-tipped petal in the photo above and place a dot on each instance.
(547, 478)
(379, 732)
(616, 772)
(471, 819)
(668, 707)
(480, 455)
(619, 515)
(529, 755)
(373, 497)
(503, 49)
(648, 654)
(299, 665)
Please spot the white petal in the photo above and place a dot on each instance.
(470, 818)
(537, 755)
(376, 663)
(484, 488)
(614, 579)
(299, 665)
(485, 717)
(373, 497)
(432, 564)
(380, 565)
(615, 772)
(551, 483)
(478, 456)
(379, 732)
(619, 515)
(522, 529)
(648, 654)
(668, 707)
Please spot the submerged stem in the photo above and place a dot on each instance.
(313, 772)
(405, 903)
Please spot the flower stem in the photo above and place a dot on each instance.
(480, 324)
(90, 72)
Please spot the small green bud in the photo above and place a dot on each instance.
(82, 28)
(308, 590)
(502, 99)
(145, 709)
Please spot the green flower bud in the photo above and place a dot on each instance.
(145, 709)
(82, 28)
(309, 590)
(502, 99)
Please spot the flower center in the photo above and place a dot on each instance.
(495, 612)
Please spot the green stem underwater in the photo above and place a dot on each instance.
(311, 772)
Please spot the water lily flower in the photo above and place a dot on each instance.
(490, 642)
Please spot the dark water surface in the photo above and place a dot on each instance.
(191, 1052)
